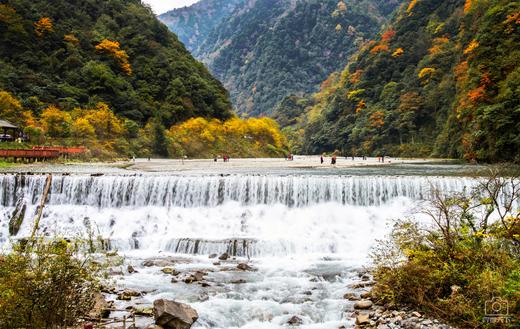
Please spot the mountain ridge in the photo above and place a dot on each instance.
(441, 80)
(267, 49)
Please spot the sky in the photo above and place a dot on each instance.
(162, 6)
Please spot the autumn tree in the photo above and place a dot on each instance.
(82, 129)
(112, 48)
(43, 26)
(55, 123)
(10, 107)
(377, 119)
(104, 122)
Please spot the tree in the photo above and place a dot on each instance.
(10, 108)
(112, 48)
(159, 143)
(43, 26)
(55, 123)
(82, 129)
(105, 123)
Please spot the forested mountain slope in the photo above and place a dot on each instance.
(77, 53)
(443, 80)
(193, 24)
(268, 49)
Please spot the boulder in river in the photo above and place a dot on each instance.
(244, 267)
(363, 305)
(351, 296)
(158, 262)
(365, 294)
(224, 256)
(169, 270)
(172, 315)
(362, 319)
(295, 321)
(127, 294)
(101, 308)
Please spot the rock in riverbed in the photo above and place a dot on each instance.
(244, 267)
(351, 296)
(127, 294)
(363, 305)
(169, 270)
(101, 307)
(362, 319)
(295, 321)
(172, 315)
(224, 256)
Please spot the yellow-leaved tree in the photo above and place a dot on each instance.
(105, 123)
(82, 129)
(55, 122)
(112, 48)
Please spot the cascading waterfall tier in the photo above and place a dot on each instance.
(243, 215)
(211, 191)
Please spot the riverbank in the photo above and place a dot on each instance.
(305, 164)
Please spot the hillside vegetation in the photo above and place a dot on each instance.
(193, 24)
(103, 74)
(442, 80)
(78, 53)
(268, 49)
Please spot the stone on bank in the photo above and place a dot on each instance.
(172, 315)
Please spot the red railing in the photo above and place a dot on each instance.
(30, 154)
(62, 149)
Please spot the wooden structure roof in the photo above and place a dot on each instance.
(6, 124)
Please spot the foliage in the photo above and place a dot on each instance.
(120, 56)
(75, 54)
(235, 137)
(267, 50)
(193, 24)
(107, 135)
(43, 26)
(446, 75)
(48, 284)
(465, 254)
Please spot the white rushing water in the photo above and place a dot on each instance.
(305, 234)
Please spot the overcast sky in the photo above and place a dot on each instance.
(162, 6)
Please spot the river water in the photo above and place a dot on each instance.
(307, 233)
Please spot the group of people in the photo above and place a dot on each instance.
(224, 157)
(333, 159)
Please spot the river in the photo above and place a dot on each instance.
(306, 232)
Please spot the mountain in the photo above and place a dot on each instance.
(193, 24)
(265, 50)
(77, 53)
(443, 79)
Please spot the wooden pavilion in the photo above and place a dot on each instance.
(5, 128)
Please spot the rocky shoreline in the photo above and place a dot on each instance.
(361, 312)
(370, 315)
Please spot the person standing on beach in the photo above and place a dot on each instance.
(333, 160)
(321, 159)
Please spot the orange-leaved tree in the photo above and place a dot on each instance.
(113, 49)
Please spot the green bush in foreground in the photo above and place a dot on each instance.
(47, 284)
(466, 254)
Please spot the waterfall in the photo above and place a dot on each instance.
(243, 215)
(211, 191)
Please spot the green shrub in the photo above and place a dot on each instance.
(45, 285)
(470, 255)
